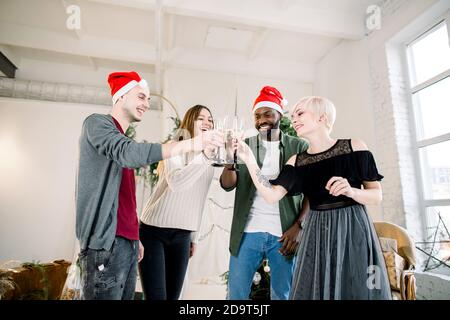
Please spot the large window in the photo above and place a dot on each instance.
(429, 75)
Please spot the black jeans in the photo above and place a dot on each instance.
(166, 257)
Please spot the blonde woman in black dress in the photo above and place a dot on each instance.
(339, 256)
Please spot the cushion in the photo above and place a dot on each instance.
(388, 244)
(395, 265)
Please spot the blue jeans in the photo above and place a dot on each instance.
(110, 274)
(254, 248)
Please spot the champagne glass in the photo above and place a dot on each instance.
(220, 156)
(234, 127)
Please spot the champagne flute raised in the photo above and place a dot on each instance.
(219, 158)
(234, 128)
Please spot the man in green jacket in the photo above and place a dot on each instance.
(260, 230)
(106, 218)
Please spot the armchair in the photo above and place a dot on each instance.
(400, 259)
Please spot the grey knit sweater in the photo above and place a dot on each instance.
(104, 151)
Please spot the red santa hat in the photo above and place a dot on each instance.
(271, 98)
(122, 82)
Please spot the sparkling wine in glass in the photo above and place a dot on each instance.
(219, 159)
(234, 128)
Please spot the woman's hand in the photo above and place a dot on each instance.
(207, 139)
(210, 151)
(244, 152)
(192, 249)
(339, 186)
(141, 251)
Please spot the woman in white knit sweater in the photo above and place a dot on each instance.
(172, 216)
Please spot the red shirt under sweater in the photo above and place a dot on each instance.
(127, 221)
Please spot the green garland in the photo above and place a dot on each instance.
(286, 127)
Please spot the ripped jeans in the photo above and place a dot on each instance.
(110, 274)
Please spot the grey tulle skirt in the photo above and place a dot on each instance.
(339, 258)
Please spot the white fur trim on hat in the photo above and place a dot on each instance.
(268, 104)
(130, 85)
(143, 83)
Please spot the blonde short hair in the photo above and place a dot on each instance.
(320, 106)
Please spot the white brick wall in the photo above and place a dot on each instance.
(386, 140)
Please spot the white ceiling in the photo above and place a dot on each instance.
(285, 38)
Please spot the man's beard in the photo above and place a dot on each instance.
(271, 131)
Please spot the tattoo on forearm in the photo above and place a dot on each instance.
(262, 179)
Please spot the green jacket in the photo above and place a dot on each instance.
(245, 189)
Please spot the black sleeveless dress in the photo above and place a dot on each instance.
(339, 255)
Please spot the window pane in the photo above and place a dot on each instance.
(432, 110)
(430, 55)
(435, 167)
(437, 238)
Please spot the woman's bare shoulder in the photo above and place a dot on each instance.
(291, 160)
(358, 145)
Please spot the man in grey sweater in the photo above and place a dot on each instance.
(106, 217)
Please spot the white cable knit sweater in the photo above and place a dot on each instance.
(179, 196)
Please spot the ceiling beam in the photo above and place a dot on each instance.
(257, 42)
(296, 19)
(6, 66)
(136, 4)
(239, 64)
(136, 52)
(288, 16)
(171, 32)
(11, 54)
(91, 46)
(93, 63)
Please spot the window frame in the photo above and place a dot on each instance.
(418, 144)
